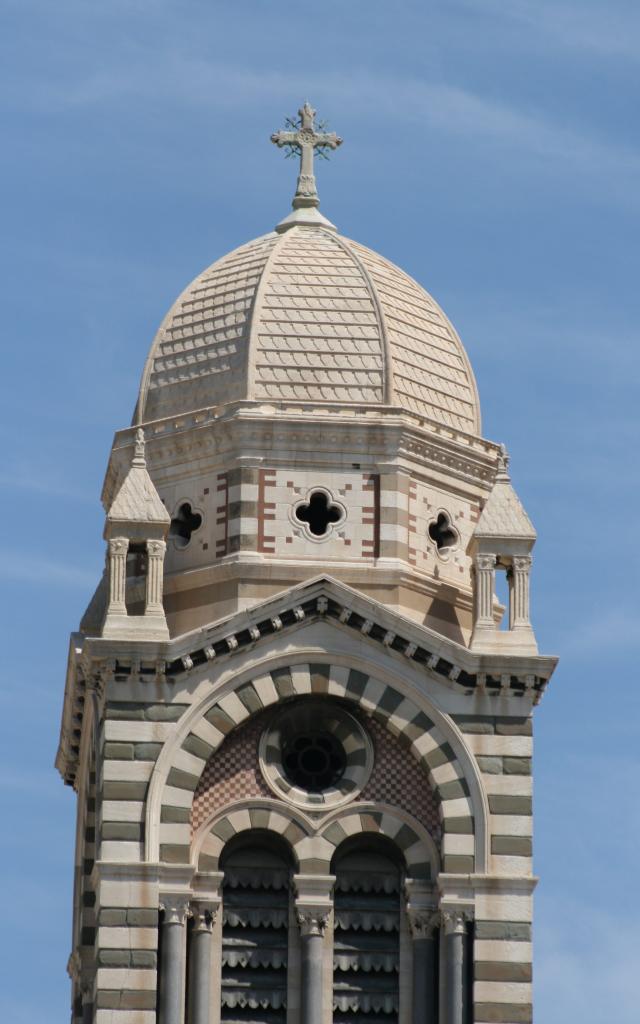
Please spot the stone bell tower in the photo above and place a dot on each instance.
(297, 718)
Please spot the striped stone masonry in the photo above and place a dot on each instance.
(503, 748)
(400, 715)
(160, 733)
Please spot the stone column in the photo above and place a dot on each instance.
(118, 547)
(453, 994)
(155, 569)
(203, 915)
(521, 568)
(425, 976)
(485, 573)
(171, 979)
(313, 907)
(424, 918)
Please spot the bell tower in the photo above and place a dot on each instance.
(297, 718)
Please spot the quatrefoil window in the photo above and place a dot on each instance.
(443, 534)
(319, 513)
(183, 524)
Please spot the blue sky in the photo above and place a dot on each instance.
(491, 149)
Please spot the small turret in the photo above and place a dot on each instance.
(136, 529)
(502, 541)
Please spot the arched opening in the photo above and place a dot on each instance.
(369, 871)
(136, 572)
(257, 869)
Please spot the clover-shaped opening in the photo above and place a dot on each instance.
(319, 513)
(443, 534)
(184, 523)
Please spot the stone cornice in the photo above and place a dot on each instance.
(504, 675)
(271, 433)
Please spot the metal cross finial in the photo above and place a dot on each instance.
(300, 136)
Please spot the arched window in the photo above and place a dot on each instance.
(255, 929)
(366, 940)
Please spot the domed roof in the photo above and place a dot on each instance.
(305, 315)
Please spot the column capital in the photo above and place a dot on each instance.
(454, 919)
(422, 909)
(312, 920)
(175, 907)
(314, 902)
(485, 562)
(522, 563)
(156, 548)
(203, 914)
(118, 545)
(423, 923)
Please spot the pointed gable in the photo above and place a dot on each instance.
(137, 500)
(503, 515)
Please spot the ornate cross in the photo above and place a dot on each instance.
(301, 137)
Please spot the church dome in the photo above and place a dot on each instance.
(304, 315)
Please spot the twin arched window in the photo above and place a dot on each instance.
(258, 942)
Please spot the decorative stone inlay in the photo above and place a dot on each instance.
(315, 754)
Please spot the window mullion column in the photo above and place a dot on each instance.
(313, 905)
(424, 919)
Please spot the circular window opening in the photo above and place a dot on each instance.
(314, 761)
(315, 754)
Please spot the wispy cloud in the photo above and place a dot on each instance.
(40, 482)
(603, 27)
(613, 629)
(445, 108)
(25, 567)
(586, 966)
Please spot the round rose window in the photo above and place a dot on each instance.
(315, 754)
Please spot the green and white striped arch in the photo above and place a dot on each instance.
(178, 772)
(313, 849)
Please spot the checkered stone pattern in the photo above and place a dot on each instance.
(398, 779)
(231, 774)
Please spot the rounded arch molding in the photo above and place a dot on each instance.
(431, 737)
(313, 844)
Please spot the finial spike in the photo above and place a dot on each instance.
(300, 136)
(138, 450)
(503, 462)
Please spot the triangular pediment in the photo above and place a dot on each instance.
(339, 607)
(347, 609)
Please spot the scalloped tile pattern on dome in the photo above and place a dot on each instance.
(317, 330)
(199, 356)
(431, 374)
(308, 316)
